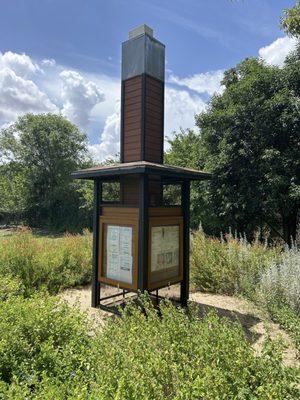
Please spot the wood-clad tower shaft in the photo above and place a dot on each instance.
(142, 110)
(142, 119)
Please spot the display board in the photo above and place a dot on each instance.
(119, 253)
(165, 256)
(164, 247)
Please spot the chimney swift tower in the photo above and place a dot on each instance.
(142, 106)
(142, 121)
(141, 240)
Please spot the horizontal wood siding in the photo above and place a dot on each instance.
(154, 112)
(165, 211)
(132, 119)
(128, 212)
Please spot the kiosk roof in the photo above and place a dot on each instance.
(140, 167)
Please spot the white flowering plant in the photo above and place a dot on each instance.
(280, 283)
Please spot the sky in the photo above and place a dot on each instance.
(64, 56)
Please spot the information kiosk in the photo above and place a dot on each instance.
(141, 233)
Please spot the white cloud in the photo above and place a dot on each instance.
(109, 144)
(19, 95)
(48, 62)
(21, 64)
(276, 52)
(89, 98)
(79, 96)
(180, 110)
(208, 82)
(111, 88)
(25, 88)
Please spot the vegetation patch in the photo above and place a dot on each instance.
(279, 292)
(46, 353)
(269, 276)
(42, 343)
(230, 265)
(43, 262)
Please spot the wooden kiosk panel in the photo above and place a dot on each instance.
(165, 251)
(118, 249)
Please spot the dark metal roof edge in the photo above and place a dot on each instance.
(84, 174)
(141, 169)
(192, 175)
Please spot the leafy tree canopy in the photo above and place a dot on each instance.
(45, 148)
(290, 21)
(250, 140)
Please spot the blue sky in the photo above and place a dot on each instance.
(64, 55)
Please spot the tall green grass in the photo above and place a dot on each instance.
(46, 263)
(229, 266)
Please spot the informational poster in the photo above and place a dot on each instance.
(119, 253)
(164, 247)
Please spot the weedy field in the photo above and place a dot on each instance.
(49, 263)
(268, 276)
(51, 350)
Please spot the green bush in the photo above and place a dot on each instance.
(47, 352)
(43, 262)
(230, 266)
(10, 287)
(288, 319)
(180, 356)
(43, 343)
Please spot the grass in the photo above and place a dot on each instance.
(46, 263)
(279, 292)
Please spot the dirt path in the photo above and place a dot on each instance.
(255, 324)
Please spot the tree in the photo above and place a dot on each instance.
(47, 148)
(110, 190)
(184, 151)
(290, 21)
(12, 193)
(250, 140)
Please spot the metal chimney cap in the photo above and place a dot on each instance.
(140, 30)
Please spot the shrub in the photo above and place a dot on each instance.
(267, 275)
(229, 266)
(10, 287)
(43, 342)
(288, 319)
(279, 292)
(46, 353)
(280, 283)
(179, 356)
(52, 263)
